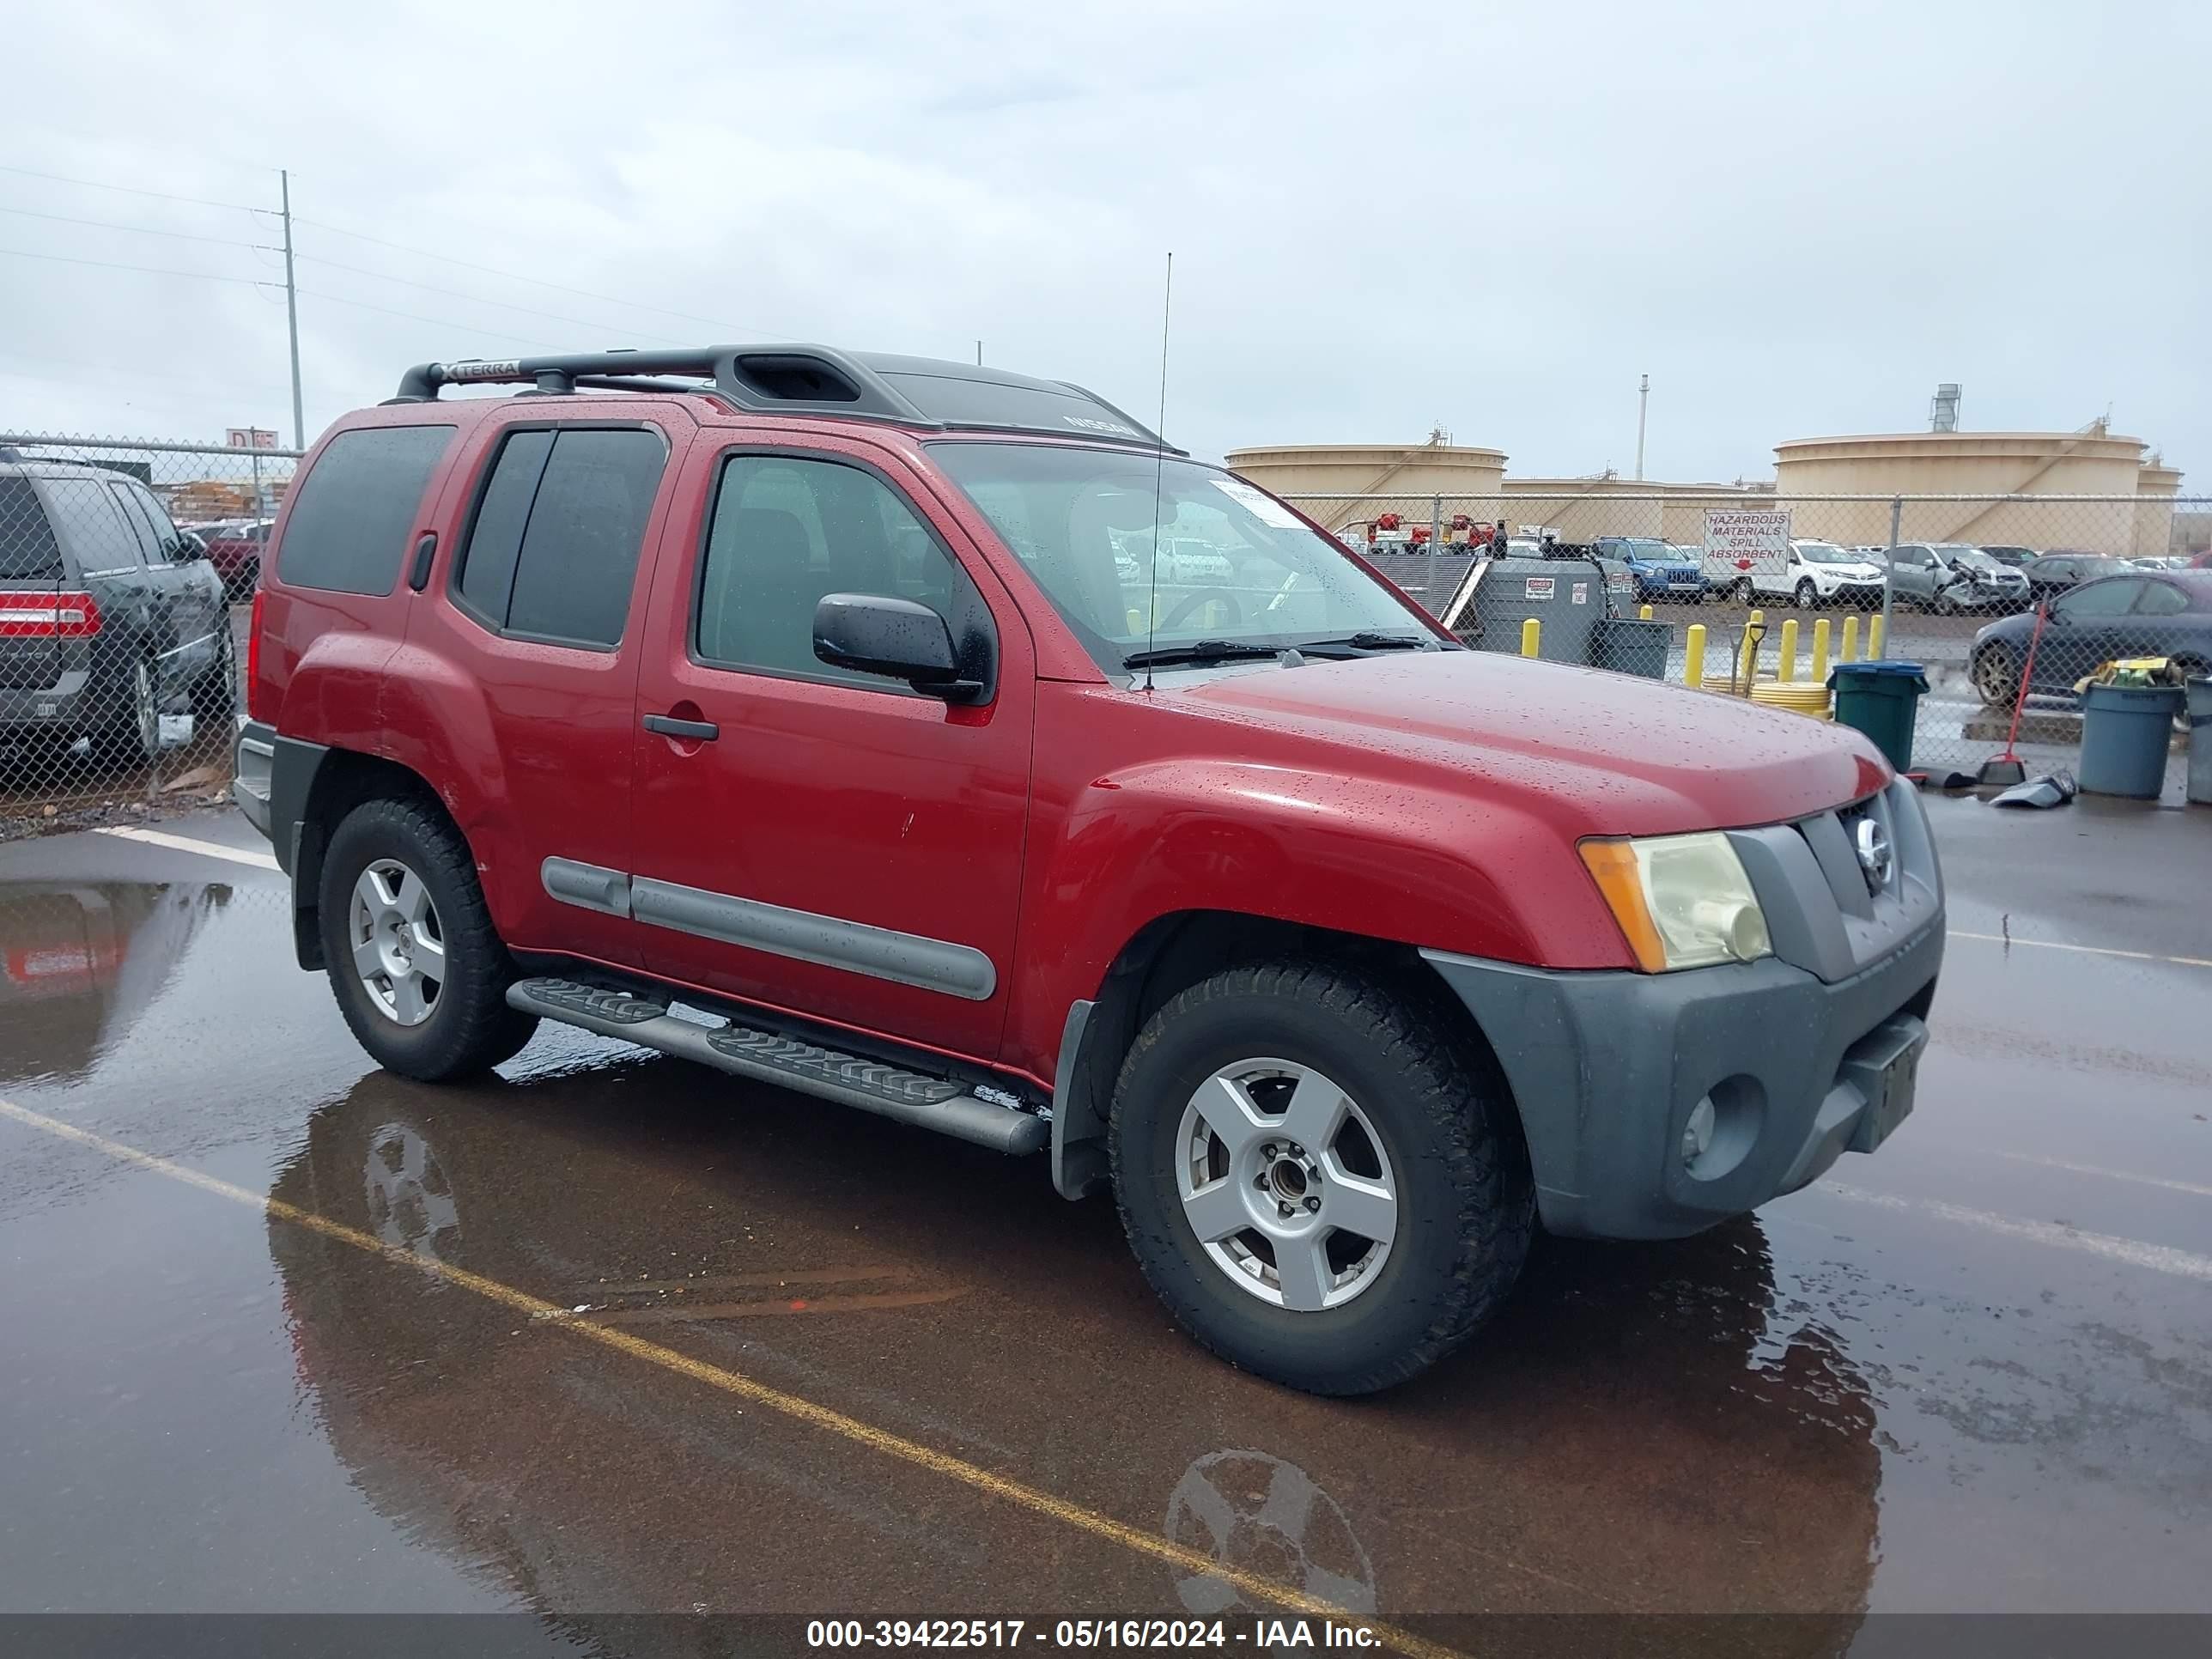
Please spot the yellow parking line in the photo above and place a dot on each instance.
(728, 1382)
(2086, 950)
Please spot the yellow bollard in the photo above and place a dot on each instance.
(1693, 656)
(1787, 668)
(1873, 639)
(1820, 652)
(1644, 612)
(1850, 650)
(1532, 631)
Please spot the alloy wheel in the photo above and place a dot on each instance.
(1286, 1183)
(398, 946)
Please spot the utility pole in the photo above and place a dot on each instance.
(292, 313)
(1642, 404)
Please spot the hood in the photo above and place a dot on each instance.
(1594, 753)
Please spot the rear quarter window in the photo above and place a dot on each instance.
(28, 549)
(352, 514)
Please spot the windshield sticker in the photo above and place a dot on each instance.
(1264, 507)
(1540, 587)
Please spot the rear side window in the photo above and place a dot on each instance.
(92, 525)
(352, 514)
(28, 549)
(553, 552)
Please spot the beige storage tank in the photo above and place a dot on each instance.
(2089, 463)
(2156, 485)
(1386, 477)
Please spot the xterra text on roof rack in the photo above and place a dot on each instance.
(969, 756)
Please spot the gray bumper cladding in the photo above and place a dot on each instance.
(1607, 1068)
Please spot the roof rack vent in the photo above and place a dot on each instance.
(783, 377)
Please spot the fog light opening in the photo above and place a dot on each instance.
(1719, 1131)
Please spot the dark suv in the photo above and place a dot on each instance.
(110, 615)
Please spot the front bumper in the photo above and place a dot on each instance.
(1607, 1068)
(1792, 1050)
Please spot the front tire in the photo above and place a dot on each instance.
(1741, 593)
(1323, 1183)
(1807, 596)
(417, 966)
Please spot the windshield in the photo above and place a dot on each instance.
(1973, 558)
(1824, 553)
(1640, 548)
(1233, 565)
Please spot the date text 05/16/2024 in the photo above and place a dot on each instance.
(1148, 1633)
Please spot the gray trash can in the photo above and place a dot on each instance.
(2126, 732)
(2200, 740)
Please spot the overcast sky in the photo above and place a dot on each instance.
(1797, 218)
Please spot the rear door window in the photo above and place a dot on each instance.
(92, 525)
(149, 541)
(28, 551)
(553, 552)
(352, 514)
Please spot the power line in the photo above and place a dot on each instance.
(516, 276)
(414, 317)
(459, 294)
(153, 270)
(130, 190)
(136, 230)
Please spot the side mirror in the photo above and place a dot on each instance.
(189, 546)
(874, 634)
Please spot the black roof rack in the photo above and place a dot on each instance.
(812, 380)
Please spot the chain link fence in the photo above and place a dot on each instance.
(1980, 591)
(125, 566)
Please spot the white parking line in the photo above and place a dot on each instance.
(2086, 950)
(213, 849)
(2159, 1258)
(2116, 1175)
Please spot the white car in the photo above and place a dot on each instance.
(1816, 574)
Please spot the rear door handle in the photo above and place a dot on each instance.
(669, 726)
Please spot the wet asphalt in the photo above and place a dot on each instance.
(1972, 1372)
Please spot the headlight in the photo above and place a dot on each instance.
(1681, 901)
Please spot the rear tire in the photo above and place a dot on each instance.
(1425, 1127)
(1741, 593)
(461, 1025)
(1807, 596)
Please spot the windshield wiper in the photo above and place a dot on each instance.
(1367, 641)
(1199, 651)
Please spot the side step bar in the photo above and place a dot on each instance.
(928, 1103)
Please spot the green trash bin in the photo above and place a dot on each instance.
(1881, 699)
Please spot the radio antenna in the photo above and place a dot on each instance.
(1159, 466)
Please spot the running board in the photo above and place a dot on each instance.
(928, 1102)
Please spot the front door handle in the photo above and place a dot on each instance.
(669, 726)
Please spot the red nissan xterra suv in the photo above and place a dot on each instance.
(952, 748)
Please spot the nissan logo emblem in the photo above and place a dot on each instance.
(1877, 858)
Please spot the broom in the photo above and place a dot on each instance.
(2008, 768)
